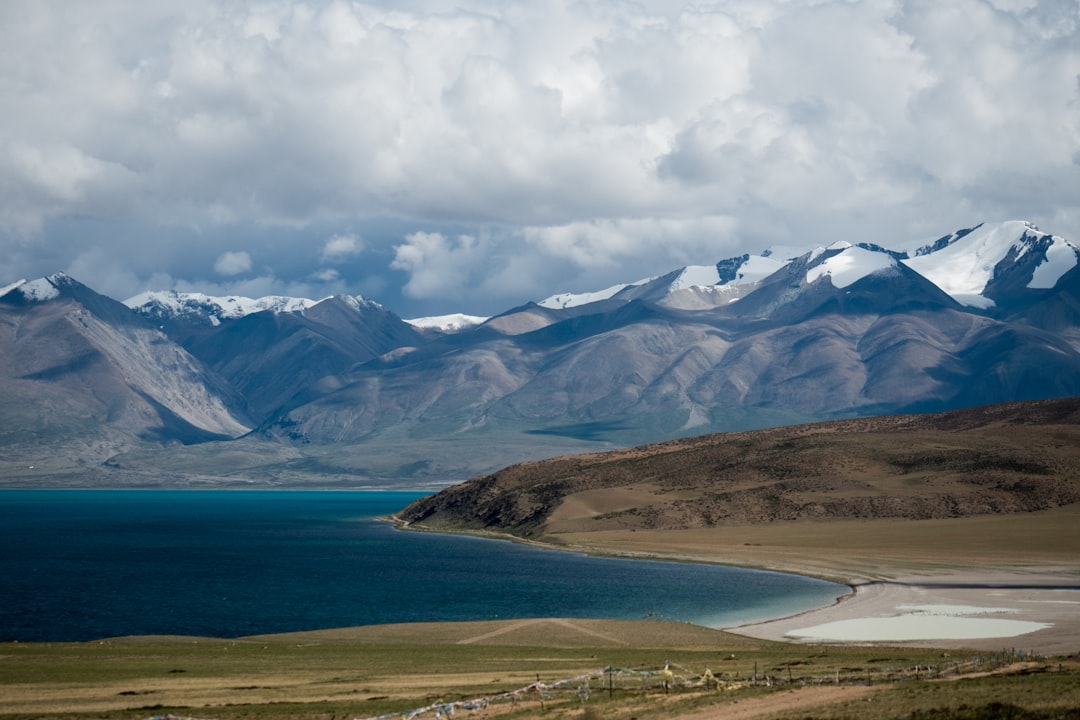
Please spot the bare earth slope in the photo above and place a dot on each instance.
(1002, 459)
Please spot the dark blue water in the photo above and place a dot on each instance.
(90, 564)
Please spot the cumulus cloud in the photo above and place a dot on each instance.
(438, 265)
(232, 263)
(579, 136)
(536, 261)
(341, 247)
(326, 275)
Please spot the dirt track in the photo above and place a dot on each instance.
(803, 699)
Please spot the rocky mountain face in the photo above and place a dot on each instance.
(984, 315)
(76, 366)
(272, 357)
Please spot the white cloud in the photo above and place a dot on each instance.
(438, 265)
(326, 275)
(232, 263)
(564, 133)
(618, 243)
(533, 262)
(341, 247)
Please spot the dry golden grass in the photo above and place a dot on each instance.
(366, 673)
(842, 549)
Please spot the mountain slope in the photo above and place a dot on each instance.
(70, 357)
(272, 349)
(996, 267)
(798, 348)
(1019, 457)
(983, 315)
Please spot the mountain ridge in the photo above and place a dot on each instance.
(783, 338)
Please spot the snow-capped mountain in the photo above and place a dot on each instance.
(728, 279)
(978, 316)
(199, 309)
(38, 290)
(455, 322)
(977, 267)
(273, 354)
(973, 265)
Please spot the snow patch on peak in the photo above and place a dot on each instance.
(240, 306)
(566, 300)
(755, 268)
(1061, 257)
(696, 276)
(356, 302)
(448, 323)
(180, 304)
(964, 265)
(850, 265)
(39, 290)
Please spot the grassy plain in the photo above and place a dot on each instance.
(373, 671)
(932, 514)
(368, 672)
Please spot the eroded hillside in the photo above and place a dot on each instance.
(1012, 458)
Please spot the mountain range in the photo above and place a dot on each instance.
(170, 387)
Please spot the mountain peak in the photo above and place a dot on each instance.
(561, 301)
(39, 290)
(448, 323)
(845, 264)
(966, 263)
(207, 309)
(356, 302)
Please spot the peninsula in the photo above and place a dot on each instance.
(955, 529)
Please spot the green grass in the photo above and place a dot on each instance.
(1041, 692)
(370, 672)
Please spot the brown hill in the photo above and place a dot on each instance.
(1012, 458)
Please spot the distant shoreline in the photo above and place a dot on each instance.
(1031, 602)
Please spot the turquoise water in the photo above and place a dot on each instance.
(90, 564)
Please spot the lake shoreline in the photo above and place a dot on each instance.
(272, 562)
(1033, 606)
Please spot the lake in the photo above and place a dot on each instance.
(80, 565)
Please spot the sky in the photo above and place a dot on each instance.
(444, 156)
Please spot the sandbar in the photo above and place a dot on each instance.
(1035, 611)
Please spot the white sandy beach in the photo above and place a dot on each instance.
(1037, 611)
